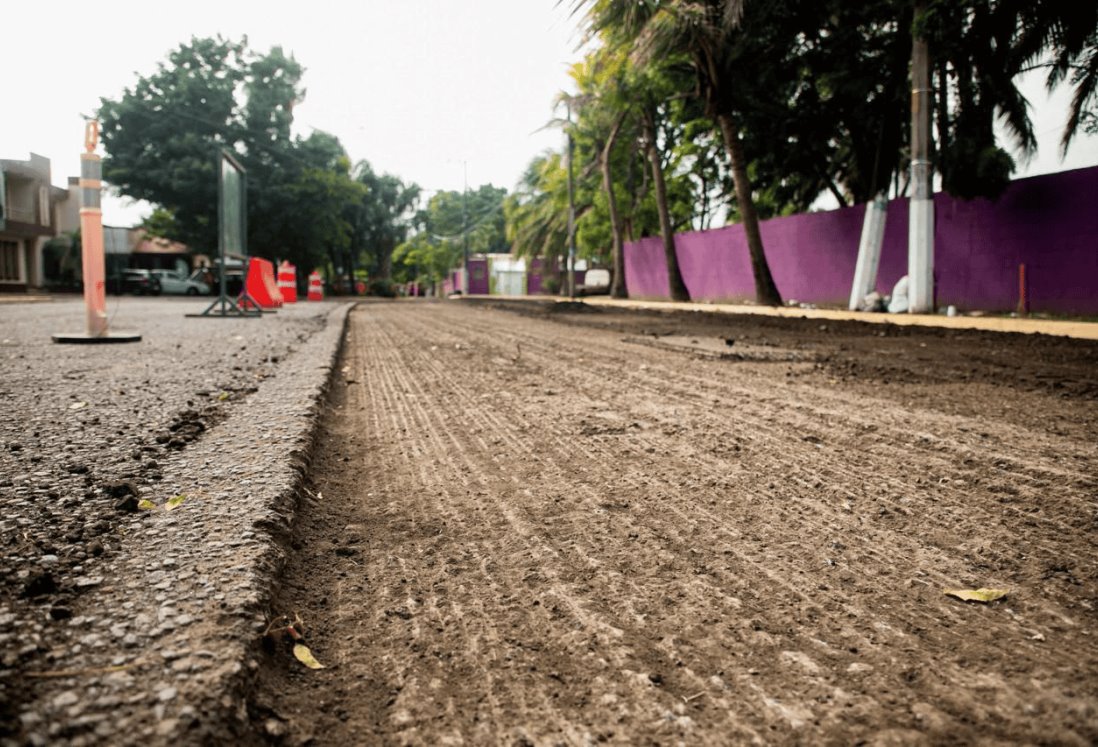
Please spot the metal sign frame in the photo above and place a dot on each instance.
(225, 305)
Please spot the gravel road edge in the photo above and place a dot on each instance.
(190, 585)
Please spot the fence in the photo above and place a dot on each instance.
(1048, 223)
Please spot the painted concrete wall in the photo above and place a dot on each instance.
(1049, 223)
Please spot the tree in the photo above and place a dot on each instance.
(449, 223)
(160, 223)
(536, 213)
(163, 134)
(706, 31)
(382, 220)
(324, 198)
(603, 109)
(1067, 33)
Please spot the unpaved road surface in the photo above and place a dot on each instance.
(570, 528)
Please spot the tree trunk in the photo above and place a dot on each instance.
(617, 254)
(385, 262)
(333, 275)
(675, 284)
(766, 292)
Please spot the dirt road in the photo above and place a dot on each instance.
(638, 528)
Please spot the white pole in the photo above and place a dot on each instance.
(869, 250)
(920, 237)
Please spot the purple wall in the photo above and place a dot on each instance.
(1049, 223)
(533, 277)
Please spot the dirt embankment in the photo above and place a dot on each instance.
(640, 528)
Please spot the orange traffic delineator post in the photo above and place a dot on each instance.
(260, 288)
(287, 282)
(316, 286)
(92, 249)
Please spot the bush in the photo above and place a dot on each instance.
(381, 287)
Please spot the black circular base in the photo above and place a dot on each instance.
(83, 338)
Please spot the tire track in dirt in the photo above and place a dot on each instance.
(394, 379)
(812, 479)
(532, 567)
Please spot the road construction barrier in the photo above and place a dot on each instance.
(287, 282)
(316, 286)
(260, 286)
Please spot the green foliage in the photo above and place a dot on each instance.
(161, 223)
(382, 287)
(162, 137)
(383, 218)
(450, 224)
(972, 169)
(819, 93)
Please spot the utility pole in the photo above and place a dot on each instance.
(464, 224)
(571, 213)
(920, 237)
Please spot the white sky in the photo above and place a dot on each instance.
(416, 87)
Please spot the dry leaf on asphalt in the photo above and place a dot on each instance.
(977, 595)
(305, 656)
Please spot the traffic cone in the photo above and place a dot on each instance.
(287, 282)
(316, 286)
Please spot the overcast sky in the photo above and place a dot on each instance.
(416, 87)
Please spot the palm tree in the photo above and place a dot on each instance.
(1065, 35)
(602, 107)
(535, 215)
(705, 30)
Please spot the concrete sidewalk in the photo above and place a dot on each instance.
(1079, 330)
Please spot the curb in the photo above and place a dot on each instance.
(225, 712)
(193, 584)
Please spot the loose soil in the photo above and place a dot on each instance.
(568, 527)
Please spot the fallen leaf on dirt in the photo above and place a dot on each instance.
(222, 397)
(976, 595)
(305, 656)
(146, 505)
(77, 405)
(174, 502)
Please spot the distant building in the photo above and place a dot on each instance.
(32, 211)
(36, 221)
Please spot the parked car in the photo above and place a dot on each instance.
(140, 283)
(596, 283)
(177, 283)
(234, 279)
